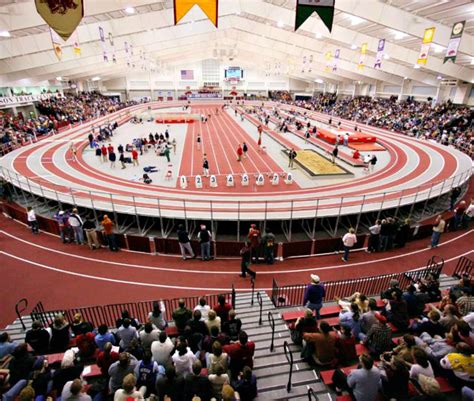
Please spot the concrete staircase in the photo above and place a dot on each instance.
(272, 368)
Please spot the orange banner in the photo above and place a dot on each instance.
(209, 7)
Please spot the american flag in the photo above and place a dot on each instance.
(187, 74)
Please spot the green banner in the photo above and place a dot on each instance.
(454, 41)
(305, 8)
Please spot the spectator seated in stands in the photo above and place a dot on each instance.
(217, 358)
(103, 337)
(118, 370)
(106, 358)
(148, 334)
(346, 343)
(222, 308)
(304, 324)
(465, 303)
(126, 333)
(240, 353)
(86, 345)
(394, 376)
(420, 366)
(203, 307)
(7, 346)
(71, 369)
(404, 348)
(357, 298)
(21, 364)
(38, 338)
(183, 358)
(213, 320)
(363, 383)
(232, 326)
(128, 391)
(74, 391)
(430, 325)
(323, 344)
(197, 326)
(379, 338)
(156, 315)
(181, 316)
(218, 380)
(60, 334)
(388, 293)
(460, 365)
(147, 372)
(197, 384)
(162, 349)
(396, 311)
(246, 385)
(126, 315)
(79, 326)
(415, 304)
(171, 385)
(351, 318)
(368, 319)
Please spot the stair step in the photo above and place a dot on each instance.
(263, 350)
(298, 378)
(280, 370)
(275, 360)
(296, 391)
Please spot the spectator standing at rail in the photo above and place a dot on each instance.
(374, 238)
(109, 233)
(335, 152)
(314, 295)
(349, 240)
(291, 157)
(76, 224)
(254, 237)
(245, 261)
(453, 197)
(38, 338)
(32, 221)
(268, 243)
(204, 237)
(65, 230)
(181, 315)
(438, 229)
(205, 166)
(459, 215)
(91, 234)
(184, 242)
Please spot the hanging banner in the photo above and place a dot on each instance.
(304, 64)
(209, 7)
(328, 57)
(425, 47)
(103, 44)
(127, 53)
(310, 64)
(75, 43)
(337, 54)
(454, 41)
(305, 8)
(363, 52)
(62, 16)
(112, 46)
(57, 44)
(379, 56)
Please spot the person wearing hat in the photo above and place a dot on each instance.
(379, 337)
(184, 242)
(204, 237)
(314, 295)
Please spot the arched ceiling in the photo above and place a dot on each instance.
(254, 32)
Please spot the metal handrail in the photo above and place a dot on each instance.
(260, 302)
(233, 297)
(312, 394)
(463, 267)
(252, 283)
(271, 321)
(289, 358)
(23, 301)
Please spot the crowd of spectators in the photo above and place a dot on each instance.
(446, 123)
(210, 357)
(414, 338)
(55, 112)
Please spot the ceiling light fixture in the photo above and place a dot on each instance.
(130, 10)
(353, 47)
(399, 35)
(439, 77)
(438, 49)
(472, 60)
(318, 36)
(386, 56)
(59, 79)
(96, 79)
(319, 81)
(5, 34)
(356, 20)
(416, 67)
(280, 24)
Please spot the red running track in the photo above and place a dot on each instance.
(42, 268)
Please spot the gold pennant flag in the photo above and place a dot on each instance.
(61, 16)
(57, 45)
(209, 7)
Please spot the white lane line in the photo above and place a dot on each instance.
(139, 283)
(275, 272)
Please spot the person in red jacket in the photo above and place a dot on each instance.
(222, 308)
(240, 353)
(86, 344)
(240, 152)
(106, 358)
(356, 155)
(135, 157)
(110, 149)
(103, 150)
(254, 239)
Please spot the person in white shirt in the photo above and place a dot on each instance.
(32, 220)
(161, 349)
(204, 308)
(183, 359)
(421, 364)
(349, 240)
(374, 237)
(148, 335)
(218, 380)
(128, 390)
(76, 223)
(470, 211)
(73, 391)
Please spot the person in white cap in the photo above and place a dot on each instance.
(204, 237)
(314, 295)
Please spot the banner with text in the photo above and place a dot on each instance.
(103, 44)
(337, 54)
(363, 53)
(305, 8)
(454, 42)
(379, 56)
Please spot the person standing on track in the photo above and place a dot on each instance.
(438, 229)
(373, 162)
(76, 224)
(259, 143)
(204, 237)
(240, 152)
(205, 166)
(254, 237)
(245, 149)
(198, 141)
(184, 242)
(103, 150)
(32, 221)
(349, 240)
(291, 157)
(135, 157)
(91, 234)
(109, 232)
(166, 152)
(335, 151)
(307, 136)
(112, 159)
